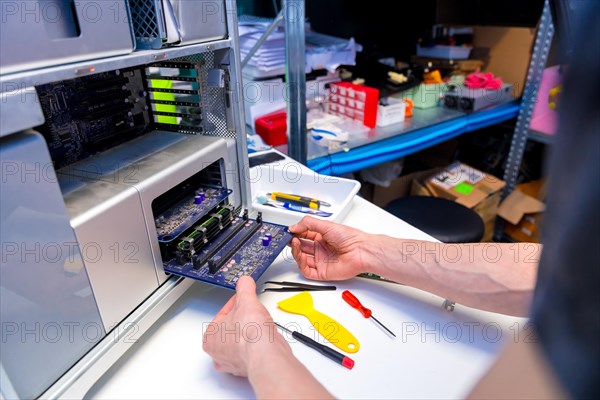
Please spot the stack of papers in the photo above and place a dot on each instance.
(271, 55)
(322, 51)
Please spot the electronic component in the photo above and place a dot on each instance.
(176, 96)
(236, 250)
(88, 115)
(216, 223)
(188, 211)
(469, 100)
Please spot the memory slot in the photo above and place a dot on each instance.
(200, 259)
(203, 233)
(214, 266)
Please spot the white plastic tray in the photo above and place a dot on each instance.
(288, 176)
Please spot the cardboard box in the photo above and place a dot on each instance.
(476, 190)
(399, 187)
(464, 184)
(523, 210)
(468, 186)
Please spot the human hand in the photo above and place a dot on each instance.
(329, 251)
(241, 332)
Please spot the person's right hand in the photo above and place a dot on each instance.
(329, 251)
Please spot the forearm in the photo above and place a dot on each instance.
(497, 277)
(278, 374)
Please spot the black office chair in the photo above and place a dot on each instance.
(445, 220)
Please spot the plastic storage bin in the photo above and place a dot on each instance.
(357, 102)
(37, 34)
(445, 52)
(287, 176)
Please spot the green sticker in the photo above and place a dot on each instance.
(166, 84)
(464, 188)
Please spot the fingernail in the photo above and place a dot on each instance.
(292, 227)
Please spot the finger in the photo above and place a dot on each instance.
(307, 246)
(310, 235)
(245, 289)
(296, 252)
(309, 223)
(307, 267)
(303, 259)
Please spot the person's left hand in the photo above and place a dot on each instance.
(241, 332)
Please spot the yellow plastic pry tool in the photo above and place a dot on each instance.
(329, 328)
(299, 200)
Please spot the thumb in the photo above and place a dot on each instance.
(311, 224)
(245, 289)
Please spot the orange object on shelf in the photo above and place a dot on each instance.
(409, 107)
(432, 77)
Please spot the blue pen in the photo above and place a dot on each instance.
(306, 210)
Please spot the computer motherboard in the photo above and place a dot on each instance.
(85, 116)
(203, 237)
(242, 247)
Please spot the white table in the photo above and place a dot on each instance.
(437, 354)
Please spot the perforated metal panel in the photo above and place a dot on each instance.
(213, 98)
(147, 21)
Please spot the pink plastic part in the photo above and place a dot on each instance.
(544, 119)
(478, 80)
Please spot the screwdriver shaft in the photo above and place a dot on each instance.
(382, 325)
(326, 351)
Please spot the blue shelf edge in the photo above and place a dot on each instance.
(410, 142)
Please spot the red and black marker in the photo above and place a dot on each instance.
(321, 348)
(355, 303)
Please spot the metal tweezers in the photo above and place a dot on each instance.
(296, 287)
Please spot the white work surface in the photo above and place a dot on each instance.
(437, 354)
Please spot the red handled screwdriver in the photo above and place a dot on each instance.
(355, 303)
(321, 348)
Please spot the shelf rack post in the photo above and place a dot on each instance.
(295, 77)
(537, 64)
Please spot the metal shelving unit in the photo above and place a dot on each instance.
(295, 77)
(541, 50)
(425, 129)
(522, 133)
(293, 14)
